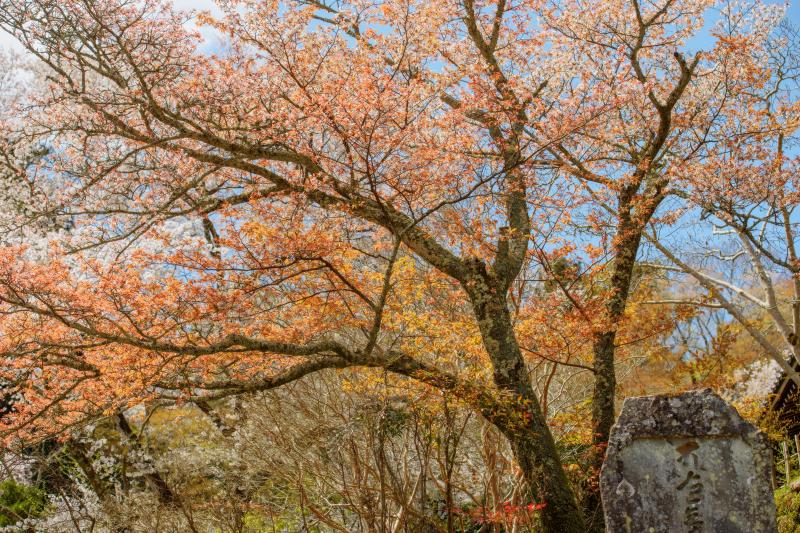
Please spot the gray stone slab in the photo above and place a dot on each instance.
(686, 463)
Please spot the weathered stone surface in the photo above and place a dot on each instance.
(686, 463)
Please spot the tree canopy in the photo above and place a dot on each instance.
(463, 196)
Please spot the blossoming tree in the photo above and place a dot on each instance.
(342, 184)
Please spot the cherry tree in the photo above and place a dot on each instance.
(343, 184)
(645, 99)
(744, 196)
(336, 169)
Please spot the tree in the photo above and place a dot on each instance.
(344, 185)
(623, 157)
(21, 82)
(318, 156)
(627, 158)
(744, 197)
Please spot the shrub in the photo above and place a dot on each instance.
(787, 500)
(18, 502)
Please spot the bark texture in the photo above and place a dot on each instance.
(605, 379)
(525, 425)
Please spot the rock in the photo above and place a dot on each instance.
(686, 463)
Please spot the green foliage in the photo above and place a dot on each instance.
(787, 501)
(255, 522)
(18, 502)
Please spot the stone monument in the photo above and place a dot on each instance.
(686, 463)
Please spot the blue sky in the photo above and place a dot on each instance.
(703, 39)
(6, 41)
(794, 12)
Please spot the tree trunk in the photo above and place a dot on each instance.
(154, 478)
(524, 424)
(80, 453)
(626, 247)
